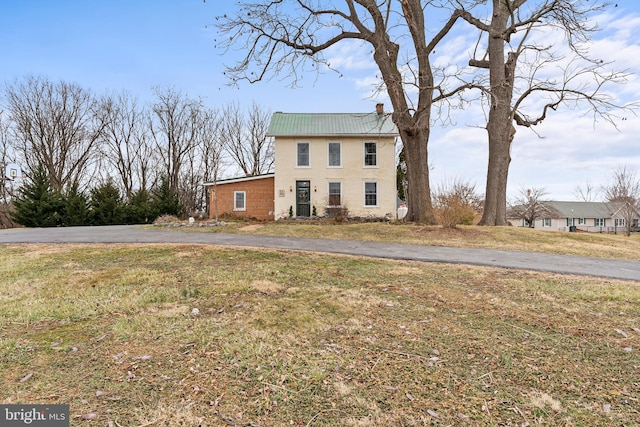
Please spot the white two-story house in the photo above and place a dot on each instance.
(325, 164)
(334, 162)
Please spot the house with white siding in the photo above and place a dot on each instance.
(325, 164)
(599, 217)
(330, 162)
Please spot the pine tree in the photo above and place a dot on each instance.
(106, 205)
(139, 209)
(165, 200)
(76, 208)
(36, 205)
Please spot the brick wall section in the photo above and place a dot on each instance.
(258, 199)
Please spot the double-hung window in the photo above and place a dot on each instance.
(546, 222)
(599, 222)
(370, 154)
(303, 154)
(334, 155)
(335, 194)
(621, 222)
(239, 201)
(371, 194)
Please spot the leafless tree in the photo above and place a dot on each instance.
(290, 39)
(245, 138)
(174, 131)
(6, 185)
(624, 194)
(586, 193)
(6, 158)
(126, 145)
(56, 125)
(203, 163)
(529, 205)
(519, 56)
(211, 152)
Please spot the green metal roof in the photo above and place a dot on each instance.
(332, 124)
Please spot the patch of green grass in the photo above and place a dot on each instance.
(287, 338)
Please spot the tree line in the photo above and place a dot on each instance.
(92, 146)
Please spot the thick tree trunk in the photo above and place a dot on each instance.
(495, 204)
(500, 125)
(418, 189)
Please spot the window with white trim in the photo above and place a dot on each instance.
(599, 222)
(546, 222)
(334, 154)
(582, 221)
(239, 201)
(371, 154)
(303, 154)
(371, 194)
(335, 194)
(621, 222)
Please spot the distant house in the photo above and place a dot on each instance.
(599, 217)
(324, 163)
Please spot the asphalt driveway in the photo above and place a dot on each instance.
(599, 267)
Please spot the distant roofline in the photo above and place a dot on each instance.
(239, 179)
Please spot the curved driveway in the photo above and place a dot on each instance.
(599, 267)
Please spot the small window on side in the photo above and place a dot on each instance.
(239, 201)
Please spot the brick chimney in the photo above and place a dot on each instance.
(380, 109)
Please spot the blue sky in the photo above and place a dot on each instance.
(114, 45)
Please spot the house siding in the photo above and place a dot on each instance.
(563, 215)
(352, 174)
(258, 198)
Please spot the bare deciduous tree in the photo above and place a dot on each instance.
(519, 57)
(6, 157)
(174, 131)
(245, 138)
(624, 194)
(586, 193)
(211, 152)
(126, 145)
(287, 41)
(203, 163)
(528, 205)
(56, 125)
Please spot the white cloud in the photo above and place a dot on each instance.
(350, 55)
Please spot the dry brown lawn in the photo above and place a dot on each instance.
(164, 335)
